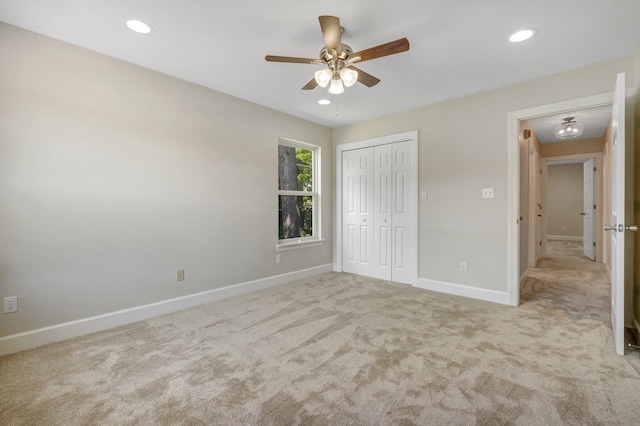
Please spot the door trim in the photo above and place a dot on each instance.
(412, 137)
(513, 177)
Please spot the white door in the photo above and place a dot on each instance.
(587, 211)
(617, 215)
(357, 204)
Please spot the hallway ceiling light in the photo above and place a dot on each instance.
(569, 129)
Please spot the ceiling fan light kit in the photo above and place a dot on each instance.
(569, 129)
(338, 59)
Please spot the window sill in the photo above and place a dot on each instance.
(298, 244)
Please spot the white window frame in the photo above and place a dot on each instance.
(316, 238)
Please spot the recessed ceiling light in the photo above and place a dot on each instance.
(324, 101)
(522, 35)
(139, 26)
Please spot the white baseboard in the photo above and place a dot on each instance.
(56, 333)
(564, 238)
(465, 291)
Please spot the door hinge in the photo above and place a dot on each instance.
(539, 243)
(594, 206)
(594, 243)
(595, 169)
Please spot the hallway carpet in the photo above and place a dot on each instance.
(343, 350)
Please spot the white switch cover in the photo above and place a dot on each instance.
(423, 195)
(487, 192)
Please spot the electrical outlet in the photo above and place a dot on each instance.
(10, 304)
(180, 275)
(278, 258)
(463, 266)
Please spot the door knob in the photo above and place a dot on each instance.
(583, 214)
(632, 228)
(610, 227)
(539, 215)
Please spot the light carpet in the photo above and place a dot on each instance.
(343, 350)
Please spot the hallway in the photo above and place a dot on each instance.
(568, 280)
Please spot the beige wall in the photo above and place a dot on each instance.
(564, 200)
(582, 146)
(112, 177)
(463, 148)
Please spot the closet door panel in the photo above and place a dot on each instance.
(383, 211)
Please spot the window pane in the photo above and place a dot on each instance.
(295, 216)
(295, 172)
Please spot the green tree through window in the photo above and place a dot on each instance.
(297, 191)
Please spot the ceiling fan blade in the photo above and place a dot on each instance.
(310, 85)
(289, 59)
(365, 78)
(391, 48)
(332, 33)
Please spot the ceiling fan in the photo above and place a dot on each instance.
(339, 58)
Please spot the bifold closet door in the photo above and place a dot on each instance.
(377, 228)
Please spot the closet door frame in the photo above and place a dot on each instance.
(412, 137)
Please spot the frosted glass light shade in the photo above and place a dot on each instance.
(348, 76)
(569, 129)
(323, 77)
(336, 86)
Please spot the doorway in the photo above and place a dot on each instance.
(517, 254)
(620, 271)
(573, 199)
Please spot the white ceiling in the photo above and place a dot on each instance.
(458, 47)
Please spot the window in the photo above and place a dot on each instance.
(298, 193)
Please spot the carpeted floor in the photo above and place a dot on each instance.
(344, 350)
